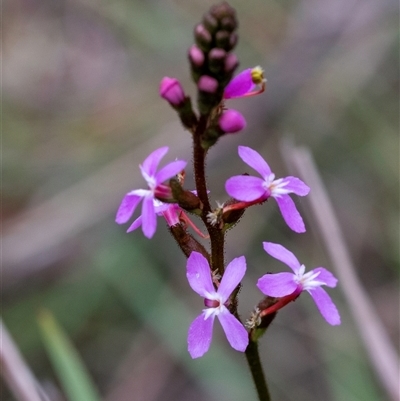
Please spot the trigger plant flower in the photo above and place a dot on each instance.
(216, 302)
(289, 286)
(249, 189)
(170, 211)
(156, 189)
(245, 84)
(173, 215)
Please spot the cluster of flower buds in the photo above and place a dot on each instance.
(212, 66)
(211, 61)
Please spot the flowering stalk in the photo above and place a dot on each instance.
(212, 66)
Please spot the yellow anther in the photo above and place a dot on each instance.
(257, 75)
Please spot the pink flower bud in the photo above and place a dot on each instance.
(231, 121)
(231, 62)
(207, 84)
(172, 91)
(196, 56)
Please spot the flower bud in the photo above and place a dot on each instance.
(222, 39)
(228, 23)
(216, 59)
(231, 63)
(203, 37)
(172, 91)
(231, 121)
(233, 39)
(207, 84)
(196, 56)
(222, 10)
(210, 23)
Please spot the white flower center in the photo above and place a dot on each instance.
(275, 187)
(307, 281)
(151, 181)
(216, 300)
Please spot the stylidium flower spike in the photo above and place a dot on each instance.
(249, 188)
(246, 83)
(156, 188)
(284, 284)
(200, 331)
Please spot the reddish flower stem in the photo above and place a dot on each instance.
(244, 205)
(217, 238)
(281, 303)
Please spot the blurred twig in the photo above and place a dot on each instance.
(381, 352)
(16, 373)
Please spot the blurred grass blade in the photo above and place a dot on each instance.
(66, 361)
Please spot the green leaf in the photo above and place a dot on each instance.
(66, 361)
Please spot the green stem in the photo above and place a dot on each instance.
(253, 359)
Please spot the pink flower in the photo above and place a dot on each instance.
(244, 84)
(156, 189)
(249, 188)
(283, 284)
(170, 211)
(200, 331)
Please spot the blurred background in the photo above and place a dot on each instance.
(80, 111)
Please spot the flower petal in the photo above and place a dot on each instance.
(279, 252)
(245, 188)
(296, 186)
(200, 336)
(325, 305)
(150, 164)
(149, 222)
(170, 170)
(239, 85)
(290, 214)
(234, 330)
(277, 285)
(136, 224)
(126, 208)
(234, 273)
(255, 161)
(198, 274)
(326, 276)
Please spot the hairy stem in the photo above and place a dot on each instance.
(217, 239)
(199, 156)
(253, 359)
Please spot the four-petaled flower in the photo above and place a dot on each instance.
(249, 188)
(200, 331)
(156, 189)
(284, 284)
